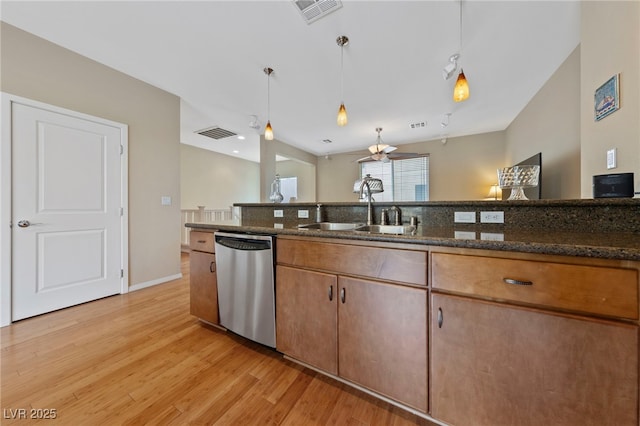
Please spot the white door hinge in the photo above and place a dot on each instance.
(121, 149)
(121, 273)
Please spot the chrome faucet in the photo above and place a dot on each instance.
(365, 182)
(398, 218)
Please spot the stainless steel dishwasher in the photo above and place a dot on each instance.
(246, 293)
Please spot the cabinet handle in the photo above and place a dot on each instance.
(212, 267)
(202, 241)
(330, 293)
(516, 282)
(440, 318)
(342, 294)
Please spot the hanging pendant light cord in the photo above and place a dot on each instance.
(268, 97)
(460, 39)
(342, 73)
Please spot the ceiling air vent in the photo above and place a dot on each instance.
(216, 132)
(312, 10)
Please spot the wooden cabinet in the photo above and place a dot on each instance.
(369, 332)
(306, 317)
(383, 263)
(382, 335)
(556, 347)
(514, 338)
(202, 280)
(591, 289)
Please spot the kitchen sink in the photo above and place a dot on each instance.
(388, 229)
(331, 226)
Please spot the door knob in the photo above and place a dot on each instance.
(24, 224)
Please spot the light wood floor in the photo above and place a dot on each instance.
(140, 358)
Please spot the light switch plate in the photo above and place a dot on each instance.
(303, 214)
(612, 160)
(278, 213)
(165, 200)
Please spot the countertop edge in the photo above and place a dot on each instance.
(569, 249)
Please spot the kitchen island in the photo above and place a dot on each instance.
(468, 323)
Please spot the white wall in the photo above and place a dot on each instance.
(306, 174)
(610, 44)
(268, 152)
(550, 124)
(215, 180)
(37, 69)
(462, 169)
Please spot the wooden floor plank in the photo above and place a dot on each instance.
(141, 358)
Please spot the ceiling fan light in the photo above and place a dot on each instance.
(342, 116)
(461, 89)
(379, 156)
(268, 131)
(378, 148)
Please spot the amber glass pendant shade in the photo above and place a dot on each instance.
(342, 116)
(268, 132)
(461, 89)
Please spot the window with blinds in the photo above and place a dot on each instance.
(403, 180)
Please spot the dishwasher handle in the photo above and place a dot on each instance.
(243, 244)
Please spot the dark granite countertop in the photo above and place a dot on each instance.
(610, 245)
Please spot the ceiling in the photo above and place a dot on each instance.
(212, 53)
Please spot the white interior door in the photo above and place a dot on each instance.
(66, 210)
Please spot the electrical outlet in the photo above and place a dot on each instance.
(464, 235)
(278, 226)
(303, 214)
(165, 200)
(278, 213)
(612, 160)
(464, 217)
(491, 217)
(491, 236)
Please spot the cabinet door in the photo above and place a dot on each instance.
(204, 288)
(494, 364)
(383, 339)
(306, 317)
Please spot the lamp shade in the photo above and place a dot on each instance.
(495, 193)
(342, 116)
(461, 89)
(268, 132)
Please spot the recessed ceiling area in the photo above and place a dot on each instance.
(212, 53)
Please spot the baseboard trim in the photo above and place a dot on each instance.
(151, 283)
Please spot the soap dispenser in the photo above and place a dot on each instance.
(319, 213)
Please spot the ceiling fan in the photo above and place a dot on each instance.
(383, 152)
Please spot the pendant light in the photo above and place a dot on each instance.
(461, 89)
(268, 130)
(342, 111)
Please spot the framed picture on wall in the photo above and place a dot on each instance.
(607, 98)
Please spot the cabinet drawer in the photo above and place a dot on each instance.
(595, 289)
(374, 262)
(201, 241)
